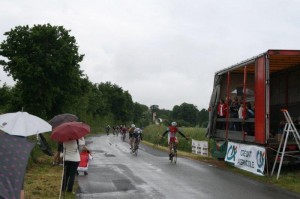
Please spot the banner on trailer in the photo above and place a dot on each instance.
(200, 147)
(247, 157)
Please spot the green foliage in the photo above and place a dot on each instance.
(119, 102)
(203, 118)
(44, 60)
(186, 112)
(5, 98)
(141, 115)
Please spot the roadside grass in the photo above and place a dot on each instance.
(43, 180)
(289, 178)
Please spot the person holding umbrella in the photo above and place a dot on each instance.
(72, 159)
(68, 133)
(56, 121)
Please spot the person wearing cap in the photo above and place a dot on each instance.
(172, 130)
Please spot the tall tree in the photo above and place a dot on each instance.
(120, 102)
(203, 118)
(138, 112)
(5, 98)
(44, 60)
(186, 112)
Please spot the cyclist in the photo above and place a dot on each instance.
(107, 129)
(123, 131)
(130, 132)
(137, 137)
(172, 130)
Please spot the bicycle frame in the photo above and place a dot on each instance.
(173, 152)
(136, 145)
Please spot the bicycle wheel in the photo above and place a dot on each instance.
(175, 158)
(174, 154)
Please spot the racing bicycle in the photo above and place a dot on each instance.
(173, 155)
(136, 146)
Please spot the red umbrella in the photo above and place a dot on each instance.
(70, 131)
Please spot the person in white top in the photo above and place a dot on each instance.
(71, 162)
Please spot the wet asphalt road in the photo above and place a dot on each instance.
(116, 174)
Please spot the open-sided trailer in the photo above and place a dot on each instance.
(268, 82)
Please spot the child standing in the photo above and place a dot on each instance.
(85, 157)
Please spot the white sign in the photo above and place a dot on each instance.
(247, 157)
(200, 147)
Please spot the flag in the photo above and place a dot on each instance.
(14, 153)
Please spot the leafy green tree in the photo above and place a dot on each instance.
(119, 102)
(5, 98)
(140, 113)
(203, 118)
(96, 105)
(163, 113)
(186, 112)
(44, 61)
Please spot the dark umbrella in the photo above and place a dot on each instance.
(14, 153)
(70, 131)
(62, 118)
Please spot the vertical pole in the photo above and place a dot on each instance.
(244, 101)
(283, 150)
(227, 111)
(278, 150)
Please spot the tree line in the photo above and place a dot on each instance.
(44, 62)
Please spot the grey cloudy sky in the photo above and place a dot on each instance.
(164, 52)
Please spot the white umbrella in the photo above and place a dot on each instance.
(23, 124)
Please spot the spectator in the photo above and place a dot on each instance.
(58, 160)
(85, 156)
(234, 109)
(72, 158)
(222, 111)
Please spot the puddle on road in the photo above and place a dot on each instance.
(109, 155)
(98, 151)
(123, 185)
(87, 142)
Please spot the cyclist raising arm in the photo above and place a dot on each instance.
(172, 130)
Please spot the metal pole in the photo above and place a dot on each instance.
(278, 151)
(283, 150)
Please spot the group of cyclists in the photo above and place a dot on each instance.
(135, 135)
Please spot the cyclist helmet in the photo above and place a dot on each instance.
(174, 124)
(132, 125)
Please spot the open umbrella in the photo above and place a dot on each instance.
(70, 131)
(62, 118)
(23, 124)
(14, 153)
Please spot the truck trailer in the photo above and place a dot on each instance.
(264, 85)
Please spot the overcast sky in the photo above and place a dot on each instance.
(163, 52)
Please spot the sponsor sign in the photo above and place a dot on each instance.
(247, 157)
(200, 147)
